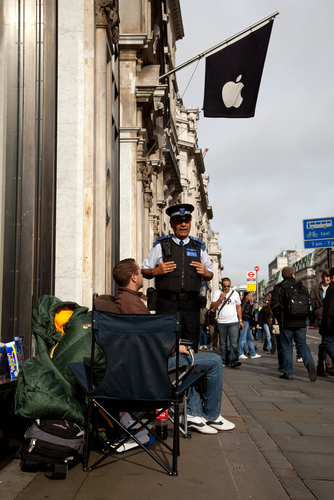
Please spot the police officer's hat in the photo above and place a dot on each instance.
(180, 211)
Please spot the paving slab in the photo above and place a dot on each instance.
(322, 490)
(289, 416)
(282, 428)
(308, 405)
(13, 480)
(328, 415)
(311, 429)
(241, 455)
(304, 444)
(312, 465)
(260, 406)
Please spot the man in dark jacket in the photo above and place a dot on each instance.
(246, 333)
(292, 327)
(317, 295)
(327, 322)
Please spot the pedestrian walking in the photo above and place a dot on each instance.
(318, 294)
(327, 321)
(290, 303)
(265, 320)
(203, 338)
(226, 303)
(246, 335)
(211, 321)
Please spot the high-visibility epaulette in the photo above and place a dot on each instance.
(159, 240)
(203, 247)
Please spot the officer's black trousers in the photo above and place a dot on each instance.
(190, 312)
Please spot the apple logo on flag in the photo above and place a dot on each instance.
(231, 93)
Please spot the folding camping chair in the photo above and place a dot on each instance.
(106, 303)
(136, 379)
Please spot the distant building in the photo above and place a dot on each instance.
(304, 271)
(285, 258)
(308, 269)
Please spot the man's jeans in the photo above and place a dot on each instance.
(299, 336)
(203, 338)
(246, 336)
(230, 330)
(268, 337)
(328, 343)
(205, 405)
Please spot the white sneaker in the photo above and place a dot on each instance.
(221, 424)
(205, 348)
(199, 424)
(243, 356)
(256, 356)
(299, 360)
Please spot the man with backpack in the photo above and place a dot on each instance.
(290, 303)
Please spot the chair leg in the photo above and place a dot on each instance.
(176, 438)
(88, 441)
(187, 434)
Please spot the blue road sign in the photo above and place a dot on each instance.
(319, 233)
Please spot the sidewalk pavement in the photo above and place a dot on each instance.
(281, 448)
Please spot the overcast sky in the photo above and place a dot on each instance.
(270, 172)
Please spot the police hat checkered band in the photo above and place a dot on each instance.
(180, 211)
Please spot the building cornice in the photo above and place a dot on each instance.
(177, 19)
(133, 40)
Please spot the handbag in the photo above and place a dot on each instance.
(275, 327)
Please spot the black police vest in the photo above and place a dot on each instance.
(184, 278)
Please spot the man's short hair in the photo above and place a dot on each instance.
(331, 272)
(288, 272)
(226, 279)
(326, 273)
(124, 270)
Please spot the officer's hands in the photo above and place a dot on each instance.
(164, 268)
(201, 269)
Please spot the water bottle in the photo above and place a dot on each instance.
(161, 424)
(202, 291)
(202, 295)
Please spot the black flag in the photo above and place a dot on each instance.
(233, 76)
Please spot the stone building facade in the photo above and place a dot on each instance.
(59, 161)
(91, 149)
(161, 162)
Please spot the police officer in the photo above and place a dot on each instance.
(179, 263)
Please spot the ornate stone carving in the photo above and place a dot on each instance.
(144, 171)
(148, 198)
(106, 16)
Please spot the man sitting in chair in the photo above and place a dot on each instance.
(203, 410)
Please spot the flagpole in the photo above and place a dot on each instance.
(225, 42)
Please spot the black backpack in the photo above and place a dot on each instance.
(297, 302)
(53, 446)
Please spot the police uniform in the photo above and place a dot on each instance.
(179, 289)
